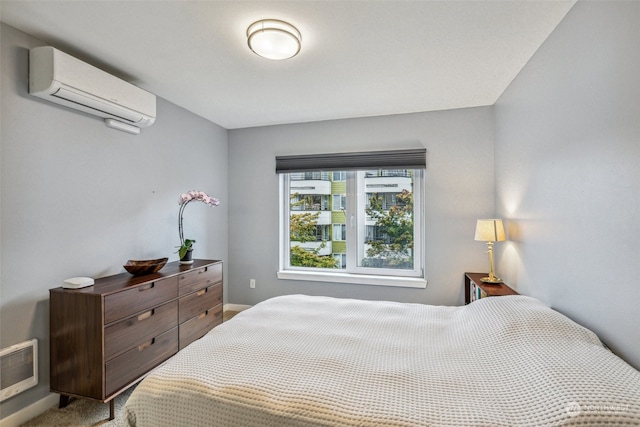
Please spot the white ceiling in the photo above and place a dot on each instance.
(358, 58)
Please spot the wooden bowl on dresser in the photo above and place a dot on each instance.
(145, 266)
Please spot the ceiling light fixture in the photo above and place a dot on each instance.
(274, 39)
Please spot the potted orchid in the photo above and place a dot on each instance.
(185, 249)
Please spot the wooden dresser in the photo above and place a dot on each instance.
(107, 337)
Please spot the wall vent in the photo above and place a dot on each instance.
(18, 368)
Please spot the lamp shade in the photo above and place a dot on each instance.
(274, 39)
(490, 230)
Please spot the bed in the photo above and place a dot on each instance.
(319, 361)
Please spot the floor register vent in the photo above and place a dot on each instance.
(18, 368)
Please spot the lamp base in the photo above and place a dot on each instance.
(491, 280)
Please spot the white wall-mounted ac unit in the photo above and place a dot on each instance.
(63, 79)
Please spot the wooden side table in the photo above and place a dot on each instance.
(475, 289)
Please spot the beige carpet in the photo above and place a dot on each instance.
(82, 412)
(228, 315)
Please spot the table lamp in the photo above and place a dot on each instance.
(490, 230)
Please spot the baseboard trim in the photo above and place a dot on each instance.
(235, 307)
(31, 411)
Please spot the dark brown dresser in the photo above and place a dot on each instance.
(107, 337)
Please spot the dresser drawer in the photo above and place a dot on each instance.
(197, 327)
(134, 363)
(199, 302)
(198, 279)
(140, 298)
(135, 330)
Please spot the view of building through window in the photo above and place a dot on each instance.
(366, 218)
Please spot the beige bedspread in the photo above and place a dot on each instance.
(317, 361)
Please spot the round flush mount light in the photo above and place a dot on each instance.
(274, 39)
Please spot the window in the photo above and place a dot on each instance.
(372, 233)
(339, 176)
(339, 202)
(341, 260)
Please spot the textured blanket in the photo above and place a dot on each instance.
(319, 361)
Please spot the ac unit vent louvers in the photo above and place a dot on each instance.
(100, 107)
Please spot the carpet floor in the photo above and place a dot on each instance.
(81, 412)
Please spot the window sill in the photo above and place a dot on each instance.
(357, 279)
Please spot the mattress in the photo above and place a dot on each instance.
(318, 361)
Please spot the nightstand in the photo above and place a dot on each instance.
(475, 289)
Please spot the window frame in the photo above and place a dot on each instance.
(356, 275)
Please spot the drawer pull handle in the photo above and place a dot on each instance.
(147, 344)
(201, 292)
(145, 315)
(147, 287)
(203, 315)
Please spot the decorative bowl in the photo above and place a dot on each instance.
(145, 266)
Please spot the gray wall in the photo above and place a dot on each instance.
(568, 172)
(459, 189)
(80, 199)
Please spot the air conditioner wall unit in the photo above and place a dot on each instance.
(65, 80)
